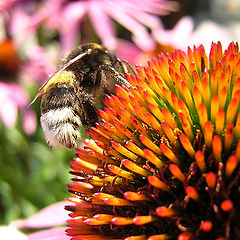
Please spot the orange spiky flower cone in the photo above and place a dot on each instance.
(164, 162)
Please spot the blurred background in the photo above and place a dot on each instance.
(36, 34)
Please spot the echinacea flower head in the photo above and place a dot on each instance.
(164, 162)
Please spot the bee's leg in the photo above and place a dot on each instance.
(108, 72)
(124, 65)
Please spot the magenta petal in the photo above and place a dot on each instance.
(50, 234)
(52, 215)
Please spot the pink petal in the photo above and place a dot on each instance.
(8, 112)
(72, 14)
(18, 25)
(6, 4)
(179, 37)
(127, 51)
(52, 215)
(29, 122)
(102, 24)
(18, 95)
(140, 34)
(50, 234)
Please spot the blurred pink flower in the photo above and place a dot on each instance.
(136, 16)
(53, 217)
(39, 64)
(12, 95)
(4, 4)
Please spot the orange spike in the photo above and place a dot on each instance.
(214, 107)
(222, 99)
(156, 111)
(135, 168)
(83, 166)
(226, 205)
(213, 82)
(186, 143)
(160, 85)
(141, 113)
(232, 110)
(84, 158)
(148, 143)
(91, 144)
(124, 130)
(120, 172)
(200, 160)
(157, 183)
(138, 125)
(166, 212)
(169, 118)
(202, 114)
(169, 154)
(228, 136)
(208, 133)
(139, 237)
(197, 81)
(192, 193)
(236, 87)
(206, 92)
(104, 115)
(222, 81)
(141, 220)
(186, 125)
(159, 237)
(197, 96)
(220, 120)
(187, 95)
(176, 172)
(149, 98)
(184, 109)
(185, 236)
(121, 221)
(168, 96)
(81, 187)
(134, 148)
(133, 196)
(169, 133)
(118, 147)
(231, 165)
(151, 157)
(92, 221)
(125, 116)
(211, 179)
(217, 147)
(206, 226)
(175, 102)
(154, 123)
(114, 201)
(121, 91)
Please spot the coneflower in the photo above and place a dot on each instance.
(164, 162)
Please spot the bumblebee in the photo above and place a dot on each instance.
(72, 95)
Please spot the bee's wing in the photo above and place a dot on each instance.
(66, 65)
